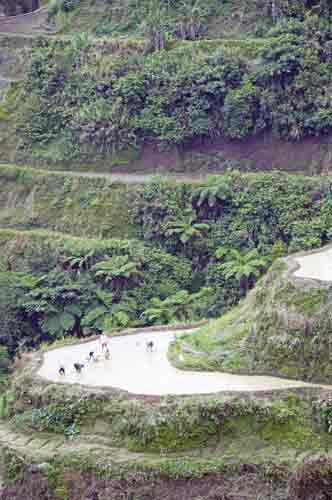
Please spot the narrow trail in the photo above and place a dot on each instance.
(117, 177)
(132, 178)
(39, 447)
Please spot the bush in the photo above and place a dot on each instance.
(177, 95)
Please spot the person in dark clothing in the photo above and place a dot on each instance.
(78, 367)
(149, 346)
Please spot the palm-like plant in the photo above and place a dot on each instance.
(161, 311)
(244, 267)
(105, 314)
(181, 306)
(215, 190)
(79, 263)
(117, 271)
(56, 307)
(186, 229)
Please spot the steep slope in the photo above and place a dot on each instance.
(282, 328)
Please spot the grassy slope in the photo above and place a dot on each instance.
(219, 345)
(281, 328)
(78, 206)
(232, 19)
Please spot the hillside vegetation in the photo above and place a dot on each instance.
(182, 251)
(282, 328)
(173, 76)
(167, 86)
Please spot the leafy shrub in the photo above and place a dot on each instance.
(58, 418)
(177, 95)
(62, 5)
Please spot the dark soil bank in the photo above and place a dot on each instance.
(251, 485)
(311, 481)
(264, 152)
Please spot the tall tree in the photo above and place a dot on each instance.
(117, 271)
(215, 191)
(244, 267)
(182, 306)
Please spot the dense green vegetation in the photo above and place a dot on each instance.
(173, 75)
(198, 249)
(83, 102)
(169, 20)
(52, 285)
(282, 328)
(232, 227)
(187, 425)
(121, 83)
(75, 100)
(161, 21)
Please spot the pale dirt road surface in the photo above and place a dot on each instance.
(133, 369)
(317, 266)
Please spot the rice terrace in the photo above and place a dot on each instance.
(165, 250)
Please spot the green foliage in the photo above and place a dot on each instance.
(4, 361)
(243, 267)
(13, 329)
(85, 286)
(56, 6)
(186, 229)
(240, 115)
(117, 271)
(323, 411)
(7, 398)
(59, 202)
(191, 424)
(181, 306)
(177, 95)
(57, 305)
(251, 220)
(215, 191)
(58, 419)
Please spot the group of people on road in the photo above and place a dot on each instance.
(102, 351)
(93, 356)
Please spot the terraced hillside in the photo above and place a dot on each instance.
(113, 116)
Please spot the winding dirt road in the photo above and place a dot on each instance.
(137, 371)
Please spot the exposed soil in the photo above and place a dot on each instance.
(249, 484)
(264, 152)
(33, 22)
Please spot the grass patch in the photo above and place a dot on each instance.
(219, 345)
(31, 199)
